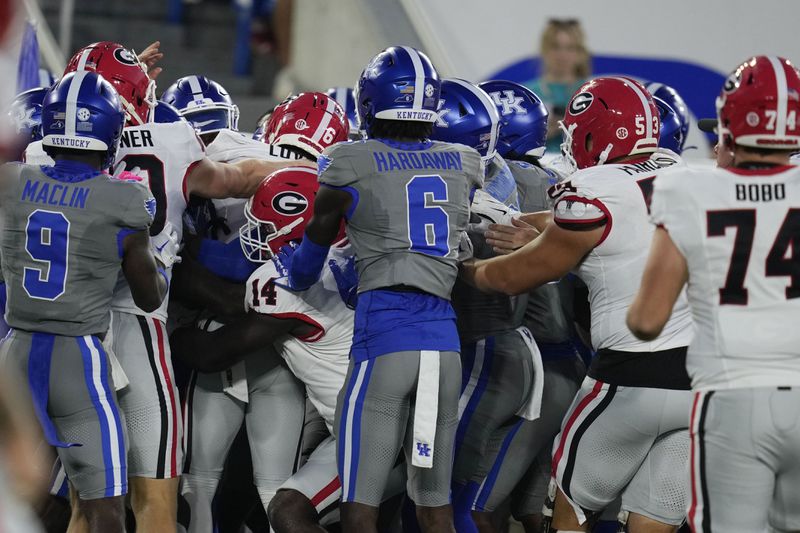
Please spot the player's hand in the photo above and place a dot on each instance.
(506, 239)
(346, 280)
(150, 56)
(283, 262)
(166, 246)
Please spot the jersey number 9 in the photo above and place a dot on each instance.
(47, 244)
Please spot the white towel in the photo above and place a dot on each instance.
(234, 381)
(118, 375)
(426, 409)
(533, 407)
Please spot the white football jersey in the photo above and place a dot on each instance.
(739, 231)
(35, 155)
(618, 194)
(230, 147)
(319, 360)
(162, 154)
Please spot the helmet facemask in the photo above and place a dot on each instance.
(255, 235)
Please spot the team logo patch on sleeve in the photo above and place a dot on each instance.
(150, 206)
(323, 162)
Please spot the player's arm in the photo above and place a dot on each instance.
(211, 179)
(547, 258)
(330, 206)
(148, 283)
(664, 277)
(538, 220)
(196, 287)
(214, 351)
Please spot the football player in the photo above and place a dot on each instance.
(626, 431)
(499, 357)
(523, 456)
(70, 229)
(255, 388)
(406, 202)
(311, 331)
(171, 159)
(731, 234)
(672, 138)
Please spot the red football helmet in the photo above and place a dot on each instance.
(608, 118)
(308, 121)
(278, 212)
(122, 68)
(759, 105)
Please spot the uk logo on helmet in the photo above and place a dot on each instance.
(510, 102)
(580, 103)
(289, 203)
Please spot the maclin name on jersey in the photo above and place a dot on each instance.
(55, 194)
(136, 139)
(650, 165)
(388, 161)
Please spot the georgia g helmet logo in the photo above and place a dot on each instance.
(124, 56)
(289, 203)
(580, 103)
(733, 81)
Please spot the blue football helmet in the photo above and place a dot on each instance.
(467, 116)
(83, 112)
(204, 103)
(674, 100)
(400, 83)
(523, 119)
(344, 96)
(166, 113)
(671, 133)
(26, 114)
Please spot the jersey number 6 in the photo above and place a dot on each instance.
(428, 223)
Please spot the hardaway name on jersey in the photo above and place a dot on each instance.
(230, 147)
(162, 155)
(62, 246)
(410, 207)
(738, 230)
(617, 197)
(319, 360)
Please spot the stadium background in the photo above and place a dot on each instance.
(689, 45)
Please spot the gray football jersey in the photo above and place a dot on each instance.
(411, 204)
(62, 247)
(544, 315)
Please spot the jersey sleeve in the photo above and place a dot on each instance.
(577, 208)
(473, 167)
(139, 211)
(264, 295)
(671, 206)
(336, 166)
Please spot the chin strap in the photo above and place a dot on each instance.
(601, 159)
(566, 145)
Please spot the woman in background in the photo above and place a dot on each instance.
(565, 66)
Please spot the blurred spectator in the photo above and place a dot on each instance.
(565, 65)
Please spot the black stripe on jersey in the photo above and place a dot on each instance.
(576, 439)
(582, 225)
(188, 430)
(298, 453)
(162, 402)
(702, 461)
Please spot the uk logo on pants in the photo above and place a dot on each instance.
(423, 450)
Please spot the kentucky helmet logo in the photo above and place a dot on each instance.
(580, 103)
(289, 203)
(441, 111)
(509, 102)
